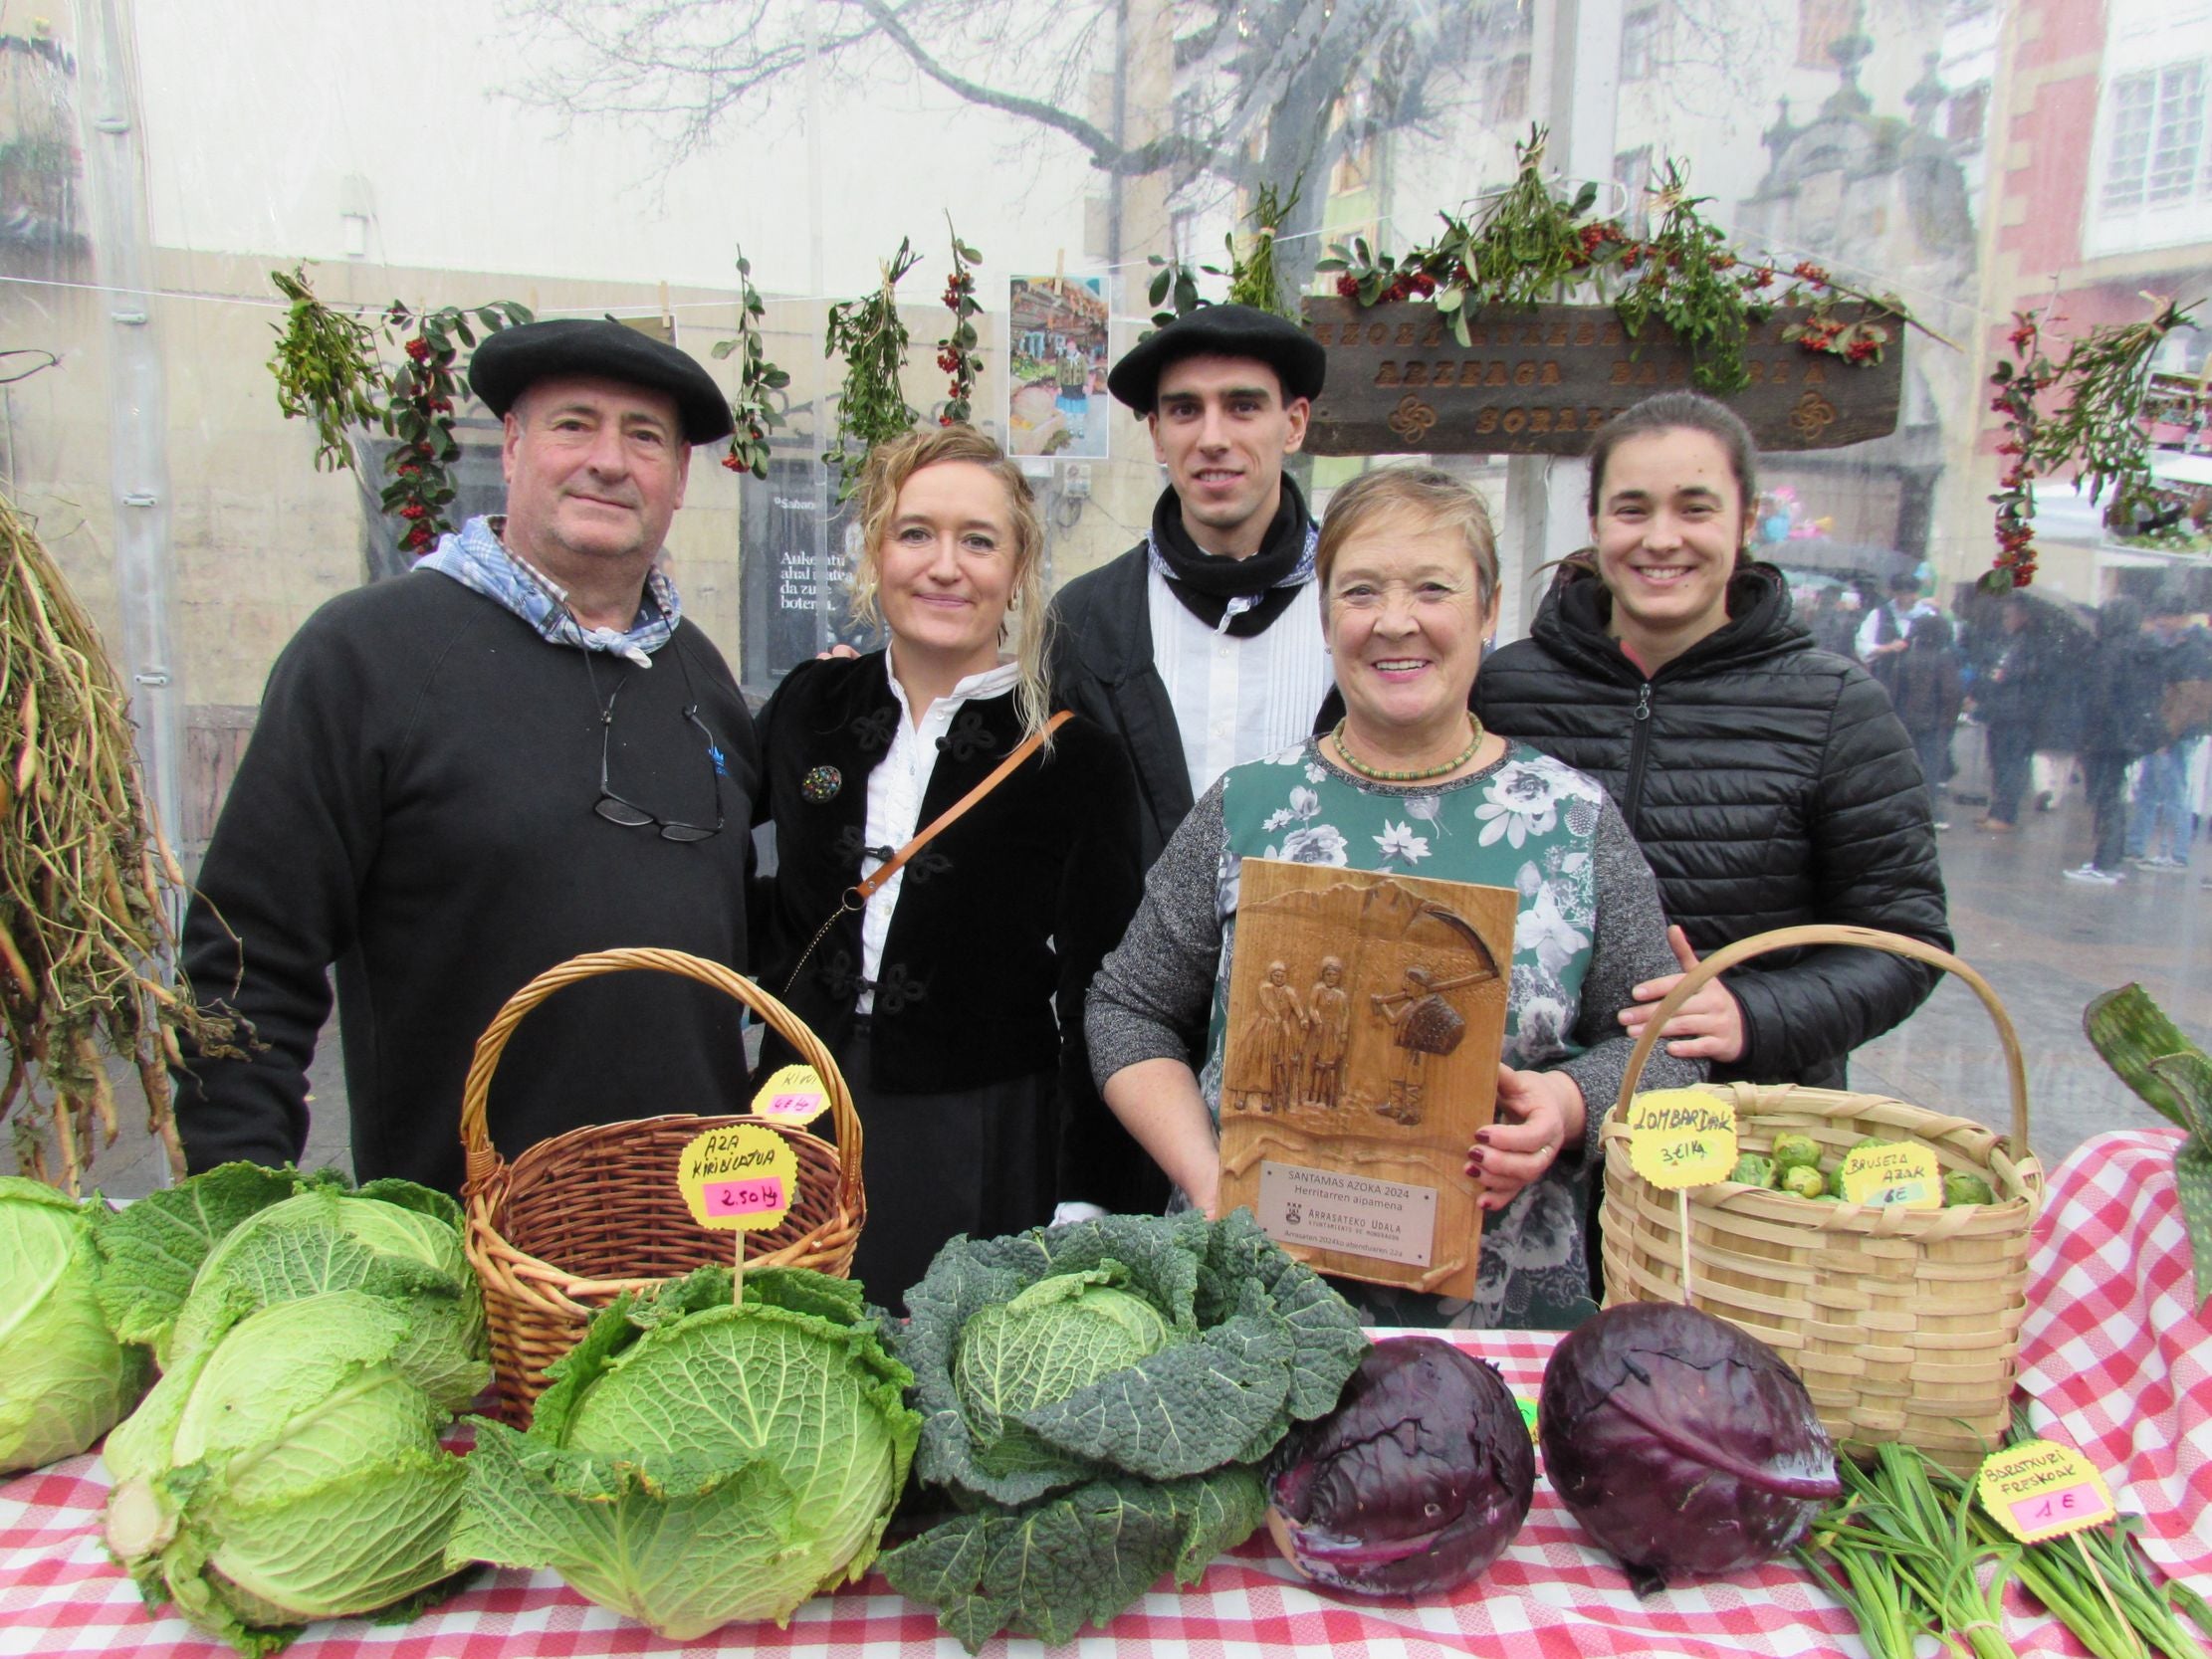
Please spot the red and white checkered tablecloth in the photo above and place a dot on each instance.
(2115, 1353)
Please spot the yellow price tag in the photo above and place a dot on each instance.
(2040, 1489)
(1681, 1138)
(740, 1178)
(1893, 1173)
(793, 1096)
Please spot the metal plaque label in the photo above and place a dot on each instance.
(1331, 1211)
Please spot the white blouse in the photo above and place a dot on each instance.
(895, 790)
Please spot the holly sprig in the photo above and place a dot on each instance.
(329, 369)
(871, 405)
(1532, 242)
(754, 412)
(956, 352)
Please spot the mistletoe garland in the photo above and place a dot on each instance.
(752, 411)
(329, 369)
(1534, 243)
(956, 353)
(2096, 427)
(871, 405)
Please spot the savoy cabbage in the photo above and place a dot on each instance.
(1095, 1397)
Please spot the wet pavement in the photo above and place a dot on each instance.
(2046, 944)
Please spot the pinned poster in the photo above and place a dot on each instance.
(1681, 1138)
(2040, 1490)
(793, 1096)
(740, 1178)
(1902, 1172)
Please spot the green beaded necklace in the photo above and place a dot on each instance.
(1421, 775)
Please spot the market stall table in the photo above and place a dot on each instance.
(2113, 1320)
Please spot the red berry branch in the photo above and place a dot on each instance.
(956, 352)
(753, 410)
(328, 368)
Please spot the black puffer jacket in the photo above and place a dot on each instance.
(1769, 784)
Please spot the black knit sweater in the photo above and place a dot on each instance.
(416, 808)
(1769, 784)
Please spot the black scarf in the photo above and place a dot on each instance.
(1204, 583)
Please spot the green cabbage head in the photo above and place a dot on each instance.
(64, 1377)
(288, 1470)
(695, 1463)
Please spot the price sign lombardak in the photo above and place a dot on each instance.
(1681, 1138)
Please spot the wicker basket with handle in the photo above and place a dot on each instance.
(577, 1219)
(1905, 1323)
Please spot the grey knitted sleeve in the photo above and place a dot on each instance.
(1630, 948)
(1158, 981)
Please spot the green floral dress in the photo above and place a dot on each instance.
(1527, 823)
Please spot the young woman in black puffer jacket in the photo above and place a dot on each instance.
(1768, 782)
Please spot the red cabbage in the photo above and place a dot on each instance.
(1682, 1443)
(1415, 1483)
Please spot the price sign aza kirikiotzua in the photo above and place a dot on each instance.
(1365, 1014)
(739, 1178)
(1902, 1172)
(1540, 380)
(2040, 1490)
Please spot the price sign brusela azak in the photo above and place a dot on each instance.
(1538, 380)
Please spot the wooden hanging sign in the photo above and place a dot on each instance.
(1538, 381)
(1365, 1014)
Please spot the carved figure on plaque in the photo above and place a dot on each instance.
(1277, 1028)
(1329, 1022)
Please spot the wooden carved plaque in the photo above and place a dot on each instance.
(1538, 381)
(1366, 1013)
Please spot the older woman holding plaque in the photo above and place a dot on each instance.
(1408, 780)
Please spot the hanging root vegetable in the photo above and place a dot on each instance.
(85, 875)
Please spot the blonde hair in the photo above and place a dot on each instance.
(888, 468)
(1432, 496)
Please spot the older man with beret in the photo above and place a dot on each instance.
(517, 753)
(1201, 647)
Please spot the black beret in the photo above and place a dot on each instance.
(511, 361)
(1222, 331)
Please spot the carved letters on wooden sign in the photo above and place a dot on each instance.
(1365, 1014)
(1539, 381)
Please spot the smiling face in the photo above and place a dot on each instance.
(595, 470)
(946, 568)
(1222, 429)
(1405, 621)
(1668, 526)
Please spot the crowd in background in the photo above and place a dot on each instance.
(2009, 697)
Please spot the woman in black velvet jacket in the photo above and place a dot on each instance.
(954, 1000)
(1768, 782)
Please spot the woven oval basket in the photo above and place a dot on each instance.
(576, 1220)
(1904, 1323)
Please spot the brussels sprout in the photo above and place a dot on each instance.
(1753, 1169)
(1793, 1151)
(1959, 1188)
(1804, 1180)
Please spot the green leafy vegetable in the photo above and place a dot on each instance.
(288, 1470)
(151, 1251)
(2173, 1077)
(391, 1238)
(695, 1462)
(1088, 1554)
(64, 1377)
(1060, 1373)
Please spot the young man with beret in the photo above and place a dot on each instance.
(519, 753)
(1201, 647)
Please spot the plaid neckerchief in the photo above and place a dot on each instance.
(479, 560)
